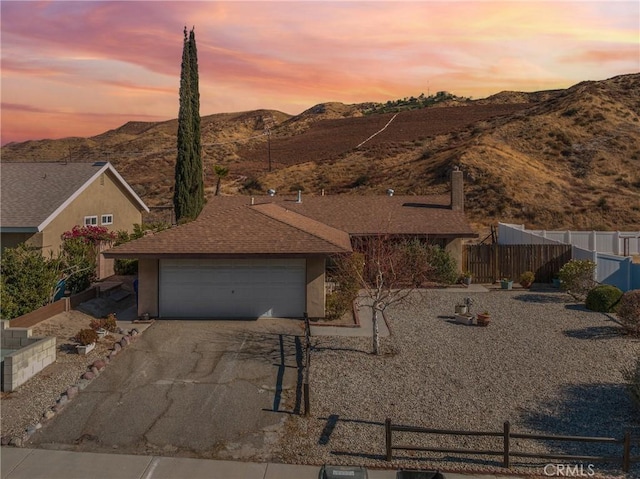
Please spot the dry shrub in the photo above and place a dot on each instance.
(86, 336)
(629, 311)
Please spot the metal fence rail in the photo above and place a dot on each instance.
(625, 459)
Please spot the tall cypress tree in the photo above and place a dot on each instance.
(198, 178)
(188, 195)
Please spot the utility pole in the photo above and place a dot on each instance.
(268, 130)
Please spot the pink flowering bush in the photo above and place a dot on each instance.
(90, 234)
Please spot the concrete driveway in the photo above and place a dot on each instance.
(209, 389)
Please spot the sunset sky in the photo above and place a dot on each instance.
(83, 67)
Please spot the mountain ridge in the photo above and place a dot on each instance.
(551, 159)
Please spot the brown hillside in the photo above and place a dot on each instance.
(555, 159)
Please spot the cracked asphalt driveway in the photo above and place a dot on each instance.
(209, 389)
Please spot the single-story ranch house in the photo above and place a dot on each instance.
(252, 257)
(40, 201)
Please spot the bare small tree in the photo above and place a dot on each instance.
(390, 272)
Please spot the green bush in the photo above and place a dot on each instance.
(577, 277)
(80, 261)
(603, 298)
(629, 311)
(443, 264)
(28, 280)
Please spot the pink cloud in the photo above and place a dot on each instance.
(291, 55)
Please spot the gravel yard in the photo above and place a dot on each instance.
(25, 406)
(546, 364)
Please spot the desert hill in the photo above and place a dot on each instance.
(552, 159)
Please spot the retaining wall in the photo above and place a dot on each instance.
(32, 355)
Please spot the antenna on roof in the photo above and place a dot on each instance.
(390, 192)
(271, 192)
(299, 200)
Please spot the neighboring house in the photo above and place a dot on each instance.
(252, 257)
(40, 201)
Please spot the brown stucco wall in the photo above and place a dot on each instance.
(103, 196)
(148, 287)
(454, 248)
(315, 287)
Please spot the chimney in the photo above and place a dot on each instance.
(299, 200)
(457, 190)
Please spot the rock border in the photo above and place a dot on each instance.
(93, 371)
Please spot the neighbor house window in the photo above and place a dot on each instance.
(90, 220)
(106, 219)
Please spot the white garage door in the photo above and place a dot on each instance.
(239, 288)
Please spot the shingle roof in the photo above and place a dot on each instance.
(230, 225)
(233, 227)
(32, 194)
(396, 215)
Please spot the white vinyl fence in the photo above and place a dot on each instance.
(610, 250)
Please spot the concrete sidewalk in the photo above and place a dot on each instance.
(18, 463)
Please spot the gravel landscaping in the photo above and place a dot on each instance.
(545, 364)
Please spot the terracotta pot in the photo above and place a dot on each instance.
(483, 319)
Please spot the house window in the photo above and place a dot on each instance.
(106, 219)
(90, 220)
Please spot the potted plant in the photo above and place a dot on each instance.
(556, 280)
(461, 308)
(506, 283)
(87, 340)
(483, 318)
(527, 278)
(466, 277)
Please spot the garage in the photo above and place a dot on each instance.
(232, 288)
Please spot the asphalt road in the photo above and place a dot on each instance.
(208, 389)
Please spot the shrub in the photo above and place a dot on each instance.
(109, 323)
(28, 280)
(443, 264)
(577, 277)
(80, 259)
(346, 272)
(86, 336)
(632, 376)
(629, 311)
(527, 278)
(603, 298)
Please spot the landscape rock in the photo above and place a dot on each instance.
(16, 441)
(4, 441)
(113, 354)
(95, 371)
(64, 399)
(72, 392)
(82, 383)
(99, 364)
(88, 375)
(48, 414)
(117, 347)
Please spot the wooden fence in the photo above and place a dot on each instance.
(625, 458)
(491, 262)
(51, 309)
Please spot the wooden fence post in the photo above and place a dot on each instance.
(307, 364)
(387, 435)
(626, 453)
(507, 432)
